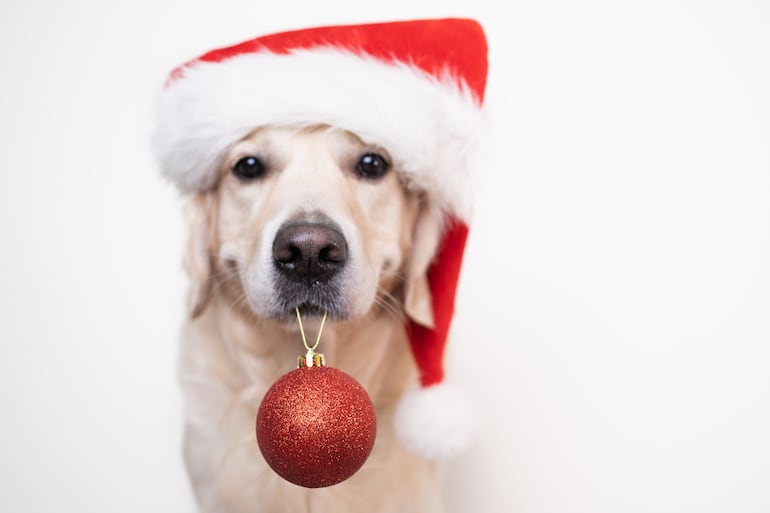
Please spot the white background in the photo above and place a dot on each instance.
(614, 318)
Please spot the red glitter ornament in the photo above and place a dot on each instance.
(316, 425)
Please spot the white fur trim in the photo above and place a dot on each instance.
(430, 126)
(436, 422)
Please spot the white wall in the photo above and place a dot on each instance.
(614, 317)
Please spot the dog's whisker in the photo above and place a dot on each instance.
(389, 303)
(221, 276)
(242, 301)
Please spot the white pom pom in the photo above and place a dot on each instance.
(436, 422)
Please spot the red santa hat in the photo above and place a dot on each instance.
(413, 87)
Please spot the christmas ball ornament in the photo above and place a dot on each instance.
(316, 425)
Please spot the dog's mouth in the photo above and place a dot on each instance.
(313, 300)
(312, 310)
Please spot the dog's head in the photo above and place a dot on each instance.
(315, 218)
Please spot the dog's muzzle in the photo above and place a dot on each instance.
(309, 258)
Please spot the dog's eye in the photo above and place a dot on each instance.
(249, 168)
(372, 166)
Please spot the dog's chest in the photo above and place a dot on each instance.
(226, 368)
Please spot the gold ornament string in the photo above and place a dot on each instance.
(302, 331)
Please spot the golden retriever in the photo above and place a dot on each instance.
(309, 217)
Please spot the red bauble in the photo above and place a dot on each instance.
(316, 426)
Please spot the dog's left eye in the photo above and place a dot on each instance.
(249, 168)
(372, 166)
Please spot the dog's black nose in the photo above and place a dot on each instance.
(309, 252)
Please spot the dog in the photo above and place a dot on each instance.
(309, 217)
(328, 170)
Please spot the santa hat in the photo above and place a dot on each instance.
(413, 87)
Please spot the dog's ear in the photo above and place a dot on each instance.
(200, 214)
(418, 303)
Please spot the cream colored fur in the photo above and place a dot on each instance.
(234, 347)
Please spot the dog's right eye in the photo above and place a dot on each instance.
(249, 168)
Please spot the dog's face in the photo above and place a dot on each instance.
(311, 218)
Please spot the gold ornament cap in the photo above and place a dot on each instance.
(311, 359)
